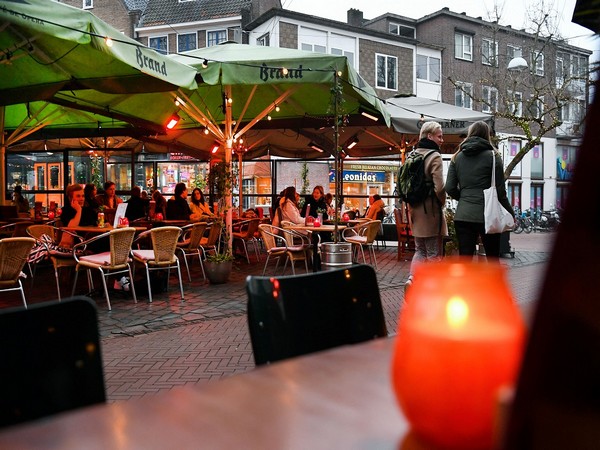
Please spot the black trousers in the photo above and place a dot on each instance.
(467, 234)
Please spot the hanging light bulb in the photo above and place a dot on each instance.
(205, 64)
(206, 131)
(277, 108)
(284, 71)
(108, 41)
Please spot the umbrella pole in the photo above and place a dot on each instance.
(336, 164)
(2, 158)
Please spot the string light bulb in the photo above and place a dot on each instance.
(277, 108)
(108, 41)
(205, 64)
(284, 70)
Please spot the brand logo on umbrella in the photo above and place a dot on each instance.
(152, 64)
(277, 73)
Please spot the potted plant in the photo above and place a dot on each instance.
(218, 265)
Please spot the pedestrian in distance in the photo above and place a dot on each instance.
(428, 223)
(470, 172)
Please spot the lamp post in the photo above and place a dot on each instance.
(515, 67)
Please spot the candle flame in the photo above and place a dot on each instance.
(457, 312)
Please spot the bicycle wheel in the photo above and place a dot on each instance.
(527, 226)
(518, 227)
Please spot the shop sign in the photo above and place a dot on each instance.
(360, 176)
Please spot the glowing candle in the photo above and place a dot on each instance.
(460, 340)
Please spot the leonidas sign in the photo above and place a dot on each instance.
(357, 176)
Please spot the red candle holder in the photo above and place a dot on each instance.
(460, 342)
(158, 216)
(50, 215)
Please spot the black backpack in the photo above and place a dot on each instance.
(413, 187)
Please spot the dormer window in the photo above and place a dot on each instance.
(402, 30)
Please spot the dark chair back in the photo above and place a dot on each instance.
(8, 212)
(51, 360)
(295, 315)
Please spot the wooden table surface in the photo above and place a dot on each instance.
(98, 230)
(337, 399)
(322, 228)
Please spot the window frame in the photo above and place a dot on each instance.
(159, 37)
(264, 40)
(398, 27)
(465, 98)
(486, 45)
(518, 112)
(211, 42)
(464, 55)
(537, 63)
(387, 59)
(517, 52)
(428, 70)
(192, 33)
(87, 4)
(490, 95)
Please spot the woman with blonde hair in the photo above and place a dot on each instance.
(288, 208)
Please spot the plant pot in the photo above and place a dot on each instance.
(218, 272)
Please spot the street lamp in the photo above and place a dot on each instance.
(517, 64)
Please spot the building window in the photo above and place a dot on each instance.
(349, 55)
(463, 46)
(402, 30)
(463, 93)
(515, 103)
(159, 43)
(536, 107)
(490, 99)
(537, 63)
(512, 51)
(514, 147)
(537, 196)
(565, 162)
(264, 40)
(186, 42)
(387, 72)
(215, 37)
(428, 68)
(537, 162)
(489, 52)
(316, 48)
(88, 4)
(562, 192)
(513, 192)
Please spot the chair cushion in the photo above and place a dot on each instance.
(100, 259)
(144, 255)
(357, 239)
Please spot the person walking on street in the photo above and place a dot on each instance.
(470, 172)
(428, 223)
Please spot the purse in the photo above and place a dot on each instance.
(497, 218)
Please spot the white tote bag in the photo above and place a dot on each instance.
(497, 219)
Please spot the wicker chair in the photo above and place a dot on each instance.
(162, 255)
(246, 235)
(210, 242)
(13, 257)
(113, 262)
(363, 235)
(49, 236)
(280, 242)
(190, 246)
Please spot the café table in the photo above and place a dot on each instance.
(96, 229)
(340, 398)
(314, 234)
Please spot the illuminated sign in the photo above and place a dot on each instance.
(359, 176)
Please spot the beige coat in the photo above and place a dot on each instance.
(427, 224)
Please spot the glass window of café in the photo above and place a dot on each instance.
(168, 174)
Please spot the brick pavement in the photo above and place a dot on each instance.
(148, 348)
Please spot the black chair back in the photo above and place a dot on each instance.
(51, 360)
(295, 315)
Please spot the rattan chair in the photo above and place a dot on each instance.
(49, 236)
(280, 242)
(13, 257)
(162, 255)
(210, 242)
(113, 262)
(190, 246)
(363, 235)
(246, 235)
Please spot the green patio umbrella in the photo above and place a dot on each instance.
(246, 88)
(63, 67)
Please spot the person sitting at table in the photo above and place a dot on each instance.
(108, 199)
(317, 204)
(137, 208)
(376, 207)
(178, 208)
(19, 201)
(160, 203)
(89, 197)
(288, 208)
(75, 213)
(199, 207)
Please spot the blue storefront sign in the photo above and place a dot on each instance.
(359, 176)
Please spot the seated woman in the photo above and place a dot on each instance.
(288, 208)
(316, 202)
(376, 208)
(75, 213)
(199, 207)
(160, 203)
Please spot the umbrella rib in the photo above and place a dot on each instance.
(193, 111)
(243, 113)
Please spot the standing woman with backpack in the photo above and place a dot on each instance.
(470, 172)
(428, 223)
